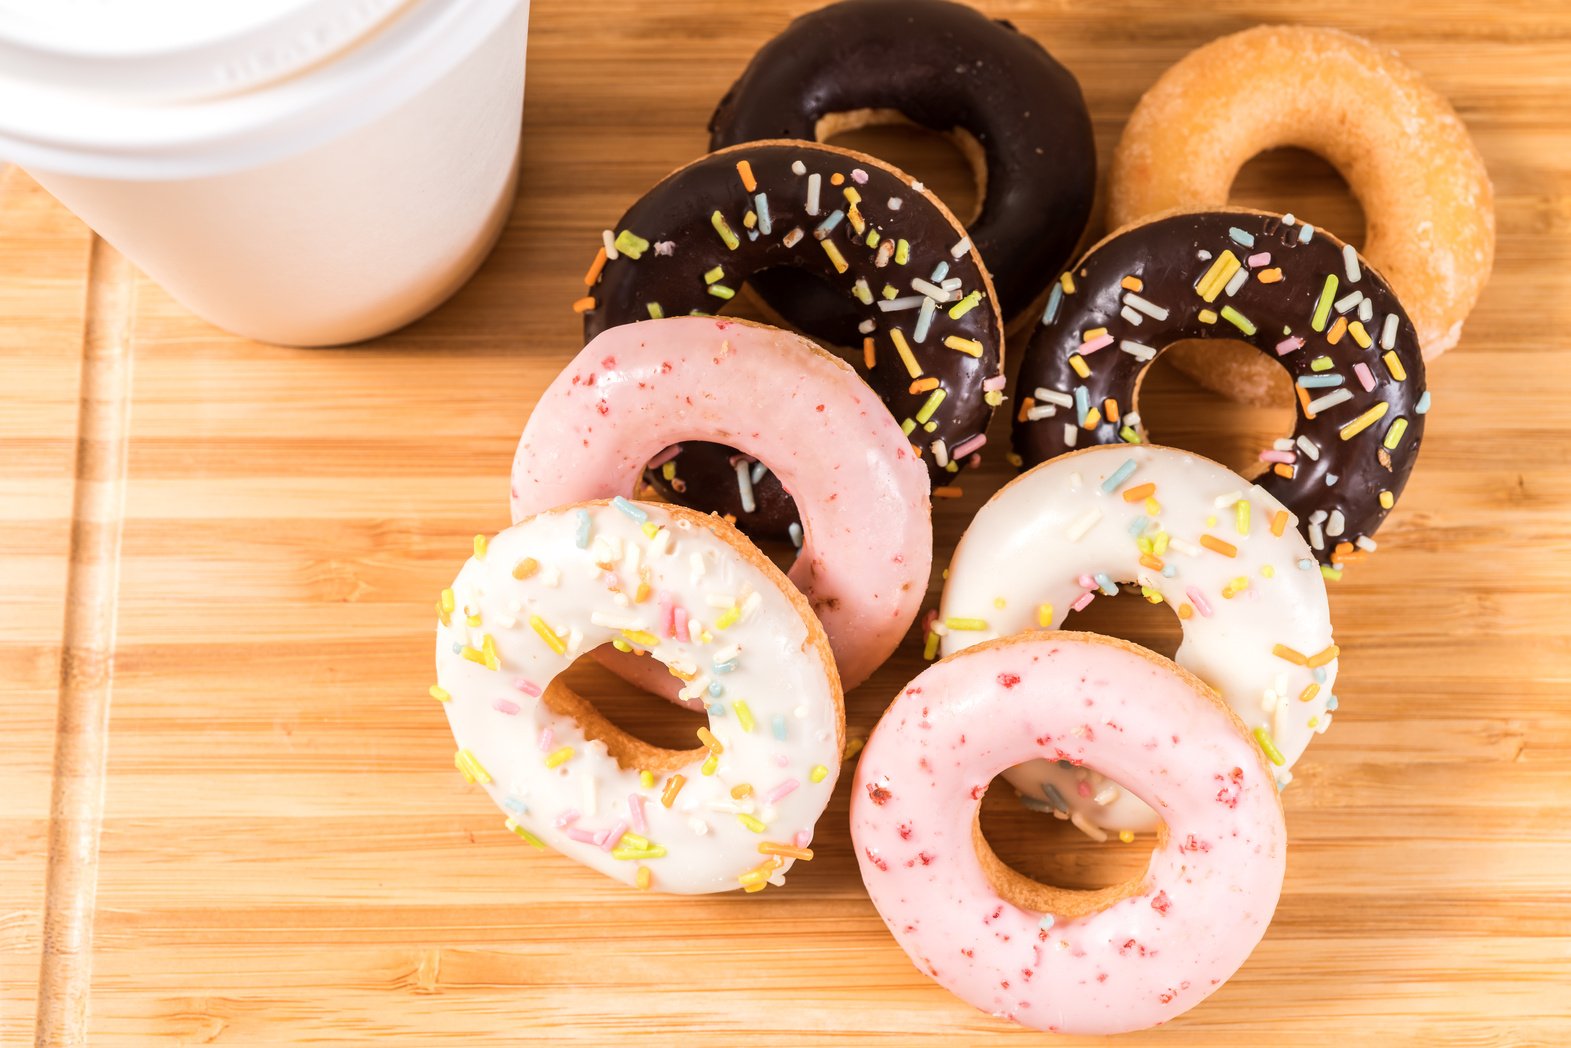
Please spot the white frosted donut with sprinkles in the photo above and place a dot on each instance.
(694, 594)
(1222, 553)
(867, 542)
(1089, 962)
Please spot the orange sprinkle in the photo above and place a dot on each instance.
(1270, 276)
(1283, 470)
(1026, 404)
(1185, 611)
(525, 568)
(1139, 492)
(869, 353)
(1110, 409)
(1279, 523)
(584, 304)
(1216, 545)
(1303, 400)
(1297, 658)
(643, 877)
(1147, 560)
(785, 850)
(707, 737)
(924, 385)
(837, 179)
(738, 792)
(673, 786)
(948, 491)
(594, 269)
(745, 169)
(1324, 657)
(1309, 692)
(1132, 283)
(1337, 331)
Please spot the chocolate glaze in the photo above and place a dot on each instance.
(676, 218)
(943, 66)
(1165, 256)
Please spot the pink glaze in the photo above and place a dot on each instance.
(862, 494)
(1206, 898)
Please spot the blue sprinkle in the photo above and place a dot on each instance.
(631, 510)
(1137, 527)
(752, 234)
(1306, 565)
(1319, 381)
(1046, 922)
(514, 805)
(940, 271)
(716, 710)
(1055, 298)
(1109, 587)
(761, 206)
(1168, 571)
(716, 689)
(725, 667)
(581, 536)
(1422, 407)
(924, 321)
(828, 224)
(458, 649)
(1280, 786)
(1306, 233)
(1118, 476)
(1332, 703)
(1082, 403)
(1241, 237)
(1032, 804)
(778, 726)
(1319, 673)
(1055, 798)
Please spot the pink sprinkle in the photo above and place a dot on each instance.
(965, 447)
(782, 761)
(1199, 601)
(1095, 344)
(567, 818)
(782, 790)
(635, 811)
(582, 835)
(665, 456)
(1083, 788)
(679, 625)
(1260, 259)
(1272, 455)
(613, 836)
(859, 176)
(547, 736)
(1085, 598)
(667, 625)
(1287, 345)
(1366, 378)
(802, 839)
(505, 706)
(1086, 582)
(991, 385)
(528, 687)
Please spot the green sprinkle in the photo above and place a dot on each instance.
(655, 312)
(721, 291)
(902, 252)
(965, 305)
(1322, 307)
(1273, 754)
(631, 244)
(714, 275)
(934, 399)
(718, 221)
(1238, 320)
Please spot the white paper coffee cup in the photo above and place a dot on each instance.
(307, 172)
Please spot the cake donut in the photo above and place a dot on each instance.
(1304, 299)
(736, 811)
(1220, 552)
(1089, 962)
(867, 533)
(1401, 147)
(1013, 111)
(913, 298)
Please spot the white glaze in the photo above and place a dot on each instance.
(588, 596)
(1054, 526)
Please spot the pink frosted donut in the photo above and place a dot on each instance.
(1091, 962)
(867, 543)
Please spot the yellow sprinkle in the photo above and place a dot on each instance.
(1217, 276)
(654, 851)
(1000, 602)
(1356, 329)
(1151, 595)
(559, 757)
(1241, 516)
(547, 634)
(1234, 588)
(474, 620)
(750, 888)
(839, 260)
(819, 773)
(969, 346)
(1328, 572)
(642, 878)
(965, 624)
(711, 763)
(930, 647)
(1093, 418)
(621, 645)
(525, 568)
(745, 170)
(707, 737)
(853, 746)
(650, 529)
(673, 786)
(1127, 836)
(752, 822)
(655, 312)
(533, 841)
(1394, 365)
(1092, 333)
(642, 638)
(441, 694)
(471, 767)
(1282, 651)
(1364, 421)
(1309, 693)
(744, 716)
(1324, 657)
(1206, 316)
(447, 603)
(728, 617)
(1238, 320)
(474, 655)
(1044, 616)
(1273, 754)
(488, 649)
(902, 252)
(646, 778)
(1067, 282)
(789, 851)
(904, 349)
(480, 545)
(718, 221)
(1078, 362)
(1395, 433)
(1267, 571)
(1387, 500)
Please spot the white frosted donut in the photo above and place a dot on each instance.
(1225, 555)
(1107, 961)
(867, 543)
(693, 593)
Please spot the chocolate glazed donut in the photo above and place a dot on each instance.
(948, 68)
(1298, 295)
(929, 337)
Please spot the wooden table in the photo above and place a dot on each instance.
(286, 855)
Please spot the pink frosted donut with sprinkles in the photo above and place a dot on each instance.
(1080, 962)
(867, 532)
(692, 593)
(1184, 533)
(1299, 296)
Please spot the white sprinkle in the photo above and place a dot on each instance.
(1330, 400)
(608, 238)
(919, 187)
(961, 247)
(744, 484)
(1108, 795)
(1366, 310)
(1347, 302)
(1317, 537)
(1204, 256)
(1364, 542)
(895, 305)
(940, 452)
(1224, 501)
(1318, 516)
(952, 284)
(894, 203)
(1053, 396)
(924, 320)
(867, 327)
(1132, 419)
(1237, 282)
(1082, 524)
(1388, 332)
(1336, 524)
(1036, 414)
(1184, 546)
(1150, 309)
(814, 183)
(886, 251)
(1288, 219)
(696, 562)
(1131, 316)
(1282, 444)
(1310, 449)
(932, 291)
(665, 247)
(798, 168)
(1071, 434)
(1095, 833)
(1137, 350)
(1350, 261)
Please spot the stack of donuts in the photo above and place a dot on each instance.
(736, 431)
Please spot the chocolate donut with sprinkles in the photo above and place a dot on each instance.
(931, 336)
(1011, 109)
(1298, 295)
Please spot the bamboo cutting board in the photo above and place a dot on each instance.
(229, 813)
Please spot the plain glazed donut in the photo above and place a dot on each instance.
(697, 596)
(1013, 110)
(1301, 297)
(914, 298)
(1121, 958)
(1220, 552)
(867, 528)
(1405, 154)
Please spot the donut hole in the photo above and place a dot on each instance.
(1129, 616)
(722, 488)
(1230, 427)
(639, 730)
(1042, 862)
(952, 165)
(1304, 184)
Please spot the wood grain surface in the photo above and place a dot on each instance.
(283, 851)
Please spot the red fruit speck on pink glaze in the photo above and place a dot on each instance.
(1008, 680)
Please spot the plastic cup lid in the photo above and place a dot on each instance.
(177, 49)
